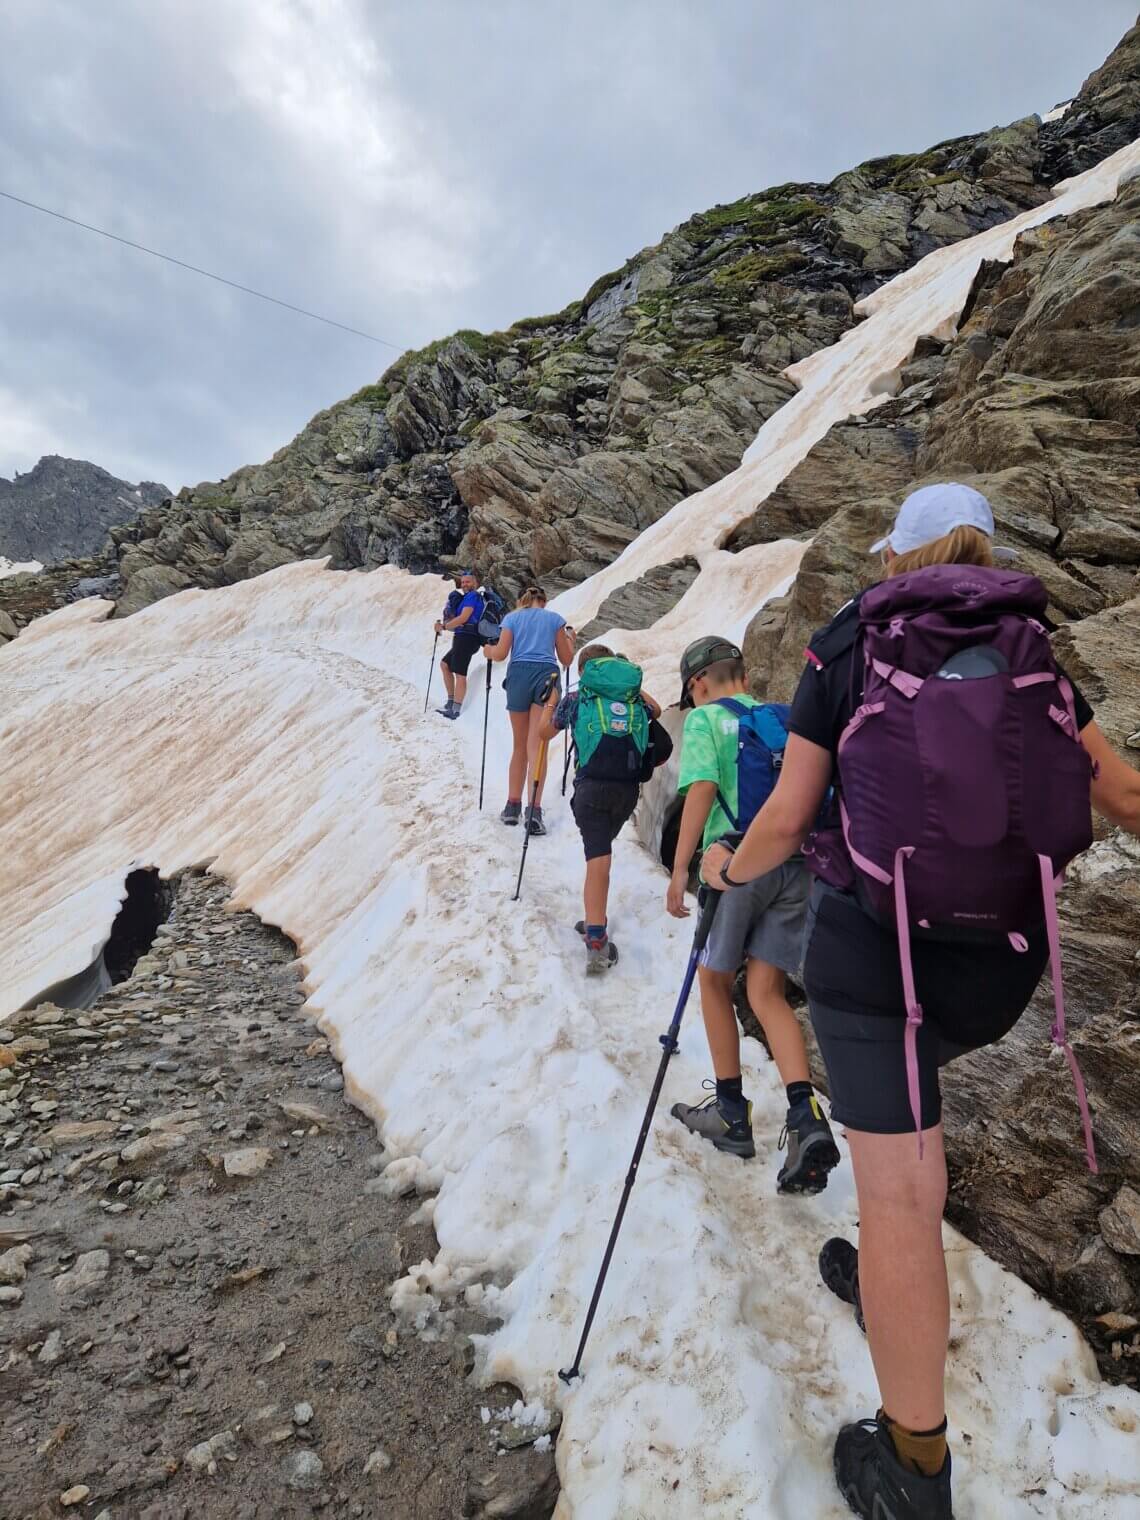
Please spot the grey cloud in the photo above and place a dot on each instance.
(410, 169)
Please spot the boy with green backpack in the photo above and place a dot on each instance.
(733, 749)
(609, 717)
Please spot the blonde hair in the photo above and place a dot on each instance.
(961, 546)
(533, 596)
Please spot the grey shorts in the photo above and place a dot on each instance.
(526, 682)
(763, 921)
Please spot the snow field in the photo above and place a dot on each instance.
(273, 732)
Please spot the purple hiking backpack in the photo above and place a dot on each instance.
(964, 785)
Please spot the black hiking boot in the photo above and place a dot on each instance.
(877, 1486)
(534, 823)
(727, 1125)
(511, 813)
(812, 1151)
(839, 1268)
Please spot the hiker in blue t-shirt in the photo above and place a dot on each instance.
(537, 641)
(462, 622)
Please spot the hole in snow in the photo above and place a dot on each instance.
(146, 904)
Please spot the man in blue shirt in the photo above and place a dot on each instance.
(463, 624)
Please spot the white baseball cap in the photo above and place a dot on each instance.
(933, 511)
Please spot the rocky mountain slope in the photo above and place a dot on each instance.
(62, 508)
(541, 451)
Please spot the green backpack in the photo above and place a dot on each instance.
(611, 730)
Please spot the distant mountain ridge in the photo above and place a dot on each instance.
(62, 509)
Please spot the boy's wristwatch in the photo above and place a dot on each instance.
(724, 876)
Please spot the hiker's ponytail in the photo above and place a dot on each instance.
(533, 596)
(961, 546)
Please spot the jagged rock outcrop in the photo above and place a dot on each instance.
(540, 452)
(62, 509)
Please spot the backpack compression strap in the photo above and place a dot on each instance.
(914, 1007)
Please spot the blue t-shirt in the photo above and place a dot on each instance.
(473, 600)
(533, 631)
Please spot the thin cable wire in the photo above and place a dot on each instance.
(194, 269)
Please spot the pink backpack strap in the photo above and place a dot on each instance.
(910, 994)
(1060, 1039)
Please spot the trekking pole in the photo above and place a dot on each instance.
(486, 715)
(566, 739)
(431, 672)
(708, 900)
(540, 771)
(569, 742)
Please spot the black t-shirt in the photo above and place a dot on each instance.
(973, 991)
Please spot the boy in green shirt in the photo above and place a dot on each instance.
(761, 923)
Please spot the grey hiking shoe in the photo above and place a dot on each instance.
(812, 1151)
(728, 1127)
(450, 709)
(877, 1486)
(534, 823)
(601, 954)
(512, 812)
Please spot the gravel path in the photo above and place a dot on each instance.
(195, 1252)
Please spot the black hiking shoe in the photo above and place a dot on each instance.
(728, 1126)
(534, 823)
(812, 1152)
(450, 709)
(512, 813)
(839, 1268)
(877, 1486)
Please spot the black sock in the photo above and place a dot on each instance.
(798, 1092)
(730, 1090)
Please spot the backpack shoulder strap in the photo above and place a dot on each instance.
(732, 705)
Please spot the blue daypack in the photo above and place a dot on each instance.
(763, 735)
(494, 611)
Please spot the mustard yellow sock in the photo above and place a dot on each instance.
(919, 1451)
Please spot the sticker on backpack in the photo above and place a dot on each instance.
(619, 709)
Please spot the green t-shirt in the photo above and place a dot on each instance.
(708, 753)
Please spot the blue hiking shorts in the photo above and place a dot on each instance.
(526, 683)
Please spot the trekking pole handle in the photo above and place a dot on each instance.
(707, 901)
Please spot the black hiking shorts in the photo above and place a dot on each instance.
(971, 995)
(464, 647)
(601, 810)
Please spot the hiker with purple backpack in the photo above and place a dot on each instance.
(964, 762)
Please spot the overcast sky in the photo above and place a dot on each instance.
(413, 167)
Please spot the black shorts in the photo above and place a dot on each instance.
(464, 646)
(601, 810)
(971, 995)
